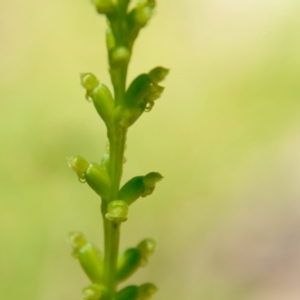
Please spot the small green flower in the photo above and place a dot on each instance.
(89, 256)
(119, 57)
(133, 258)
(94, 292)
(79, 165)
(104, 103)
(130, 292)
(89, 81)
(117, 211)
(98, 180)
(110, 39)
(104, 6)
(128, 263)
(139, 186)
(143, 12)
(158, 74)
(146, 291)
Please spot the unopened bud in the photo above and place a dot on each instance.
(143, 12)
(132, 190)
(150, 181)
(158, 74)
(103, 102)
(89, 256)
(98, 180)
(143, 15)
(130, 292)
(139, 186)
(151, 3)
(91, 262)
(128, 263)
(147, 247)
(139, 89)
(93, 292)
(110, 39)
(152, 178)
(146, 291)
(120, 56)
(104, 6)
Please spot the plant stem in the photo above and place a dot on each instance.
(111, 229)
(118, 79)
(117, 147)
(117, 139)
(111, 241)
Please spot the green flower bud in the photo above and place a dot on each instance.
(88, 255)
(146, 291)
(139, 89)
(158, 74)
(120, 56)
(128, 263)
(156, 91)
(150, 3)
(133, 258)
(79, 165)
(104, 6)
(76, 240)
(143, 3)
(103, 102)
(93, 292)
(132, 190)
(117, 211)
(110, 39)
(133, 292)
(143, 15)
(89, 81)
(146, 247)
(130, 292)
(143, 12)
(152, 178)
(91, 262)
(139, 186)
(150, 181)
(98, 180)
(144, 89)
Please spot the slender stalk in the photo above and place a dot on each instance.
(118, 113)
(111, 248)
(117, 147)
(112, 230)
(119, 83)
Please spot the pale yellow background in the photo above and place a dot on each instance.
(225, 135)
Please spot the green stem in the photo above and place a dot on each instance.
(111, 229)
(118, 78)
(111, 241)
(117, 139)
(117, 147)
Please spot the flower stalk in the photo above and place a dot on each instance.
(118, 110)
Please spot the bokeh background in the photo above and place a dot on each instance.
(225, 135)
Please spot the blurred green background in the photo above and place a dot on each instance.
(225, 135)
